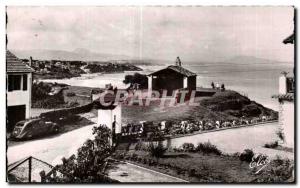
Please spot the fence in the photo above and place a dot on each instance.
(67, 111)
(27, 170)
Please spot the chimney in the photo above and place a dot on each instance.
(283, 83)
(178, 62)
(30, 61)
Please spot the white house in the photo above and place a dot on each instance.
(18, 90)
(110, 116)
(286, 108)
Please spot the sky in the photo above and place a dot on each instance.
(193, 33)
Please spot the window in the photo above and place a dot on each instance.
(24, 82)
(290, 85)
(14, 82)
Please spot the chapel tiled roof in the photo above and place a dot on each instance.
(178, 69)
(287, 97)
(289, 40)
(15, 65)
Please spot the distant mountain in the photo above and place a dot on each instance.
(82, 54)
(254, 60)
(79, 54)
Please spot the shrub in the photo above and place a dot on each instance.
(144, 161)
(177, 149)
(247, 155)
(188, 147)
(141, 146)
(280, 134)
(70, 94)
(134, 157)
(120, 156)
(42, 99)
(157, 150)
(272, 145)
(40, 91)
(139, 159)
(192, 172)
(251, 110)
(280, 170)
(236, 154)
(137, 79)
(72, 104)
(208, 148)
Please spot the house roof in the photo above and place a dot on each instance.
(287, 97)
(177, 69)
(15, 65)
(289, 40)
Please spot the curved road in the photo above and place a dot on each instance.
(51, 149)
(237, 139)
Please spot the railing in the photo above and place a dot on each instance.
(27, 170)
(185, 128)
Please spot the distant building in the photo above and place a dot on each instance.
(172, 78)
(18, 89)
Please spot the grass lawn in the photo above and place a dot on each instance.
(227, 105)
(206, 167)
(212, 168)
(82, 96)
(157, 113)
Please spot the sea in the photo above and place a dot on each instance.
(257, 81)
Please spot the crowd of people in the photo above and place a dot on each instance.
(146, 129)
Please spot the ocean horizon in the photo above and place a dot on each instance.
(258, 82)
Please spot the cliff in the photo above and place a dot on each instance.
(235, 105)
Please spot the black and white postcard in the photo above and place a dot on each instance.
(150, 94)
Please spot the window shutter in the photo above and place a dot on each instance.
(25, 82)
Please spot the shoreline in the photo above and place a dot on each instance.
(94, 74)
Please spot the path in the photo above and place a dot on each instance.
(127, 172)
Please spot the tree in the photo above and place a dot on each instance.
(88, 164)
(137, 78)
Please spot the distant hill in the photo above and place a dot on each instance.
(78, 54)
(254, 60)
(82, 54)
(238, 60)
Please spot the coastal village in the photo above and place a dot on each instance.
(221, 109)
(163, 127)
